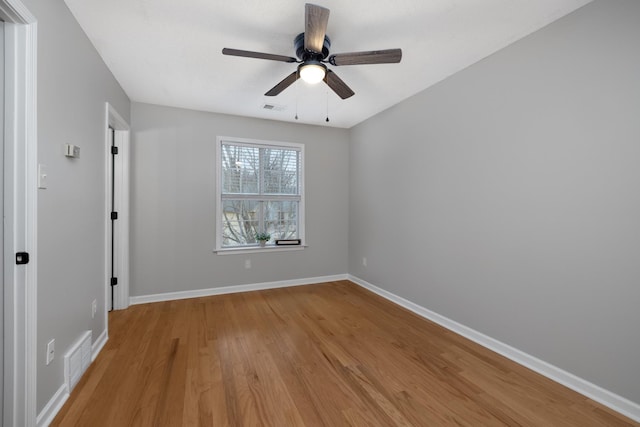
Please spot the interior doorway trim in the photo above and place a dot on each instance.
(20, 362)
(120, 180)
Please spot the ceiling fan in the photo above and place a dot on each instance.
(312, 50)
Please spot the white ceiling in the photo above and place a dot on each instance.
(168, 52)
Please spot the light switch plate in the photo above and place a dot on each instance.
(42, 176)
(51, 350)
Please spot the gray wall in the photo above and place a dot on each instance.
(514, 182)
(507, 197)
(73, 86)
(173, 206)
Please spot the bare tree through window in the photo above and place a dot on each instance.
(261, 192)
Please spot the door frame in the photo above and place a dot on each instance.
(121, 247)
(20, 361)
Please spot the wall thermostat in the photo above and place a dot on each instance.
(72, 151)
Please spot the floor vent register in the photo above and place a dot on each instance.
(77, 360)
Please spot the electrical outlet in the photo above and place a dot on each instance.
(364, 261)
(94, 308)
(247, 264)
(51, 350)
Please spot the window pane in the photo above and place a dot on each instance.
(260, 188)
(240, 219)
(281, 219)
(240, 166)
(280, 171)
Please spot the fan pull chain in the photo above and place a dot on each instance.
(327, 93)
(297, 78)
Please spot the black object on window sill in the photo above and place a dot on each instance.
(288, 242)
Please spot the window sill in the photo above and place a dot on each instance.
(258, 249)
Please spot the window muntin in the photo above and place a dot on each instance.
(259, 190)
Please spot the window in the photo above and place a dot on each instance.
(259, 190)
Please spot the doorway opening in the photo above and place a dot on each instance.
(117, 211)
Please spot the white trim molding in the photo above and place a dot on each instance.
(121, 181)
(21, 146)
(16, 12)
(617, 403)
(49, 412)
(261, 197)
(99, 344)
(169, 296)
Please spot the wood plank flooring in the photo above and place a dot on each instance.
(331, 354)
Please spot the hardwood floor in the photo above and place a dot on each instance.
(331, 354)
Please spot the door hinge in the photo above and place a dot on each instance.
(114, 216)
(114, 150)
(22, 258)
(114, 281)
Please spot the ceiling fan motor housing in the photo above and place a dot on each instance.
(304, 55)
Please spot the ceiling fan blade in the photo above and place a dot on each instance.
(337, 85)
(389, 56)
(315, 27)
(285, 83)
(259, 55)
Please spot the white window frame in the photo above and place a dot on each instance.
(218, 202)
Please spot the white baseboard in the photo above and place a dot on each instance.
(617, 403)
(60, 397)
(49, 412)
(169, 296)
(98, 344)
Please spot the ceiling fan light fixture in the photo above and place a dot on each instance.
(313, 73)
